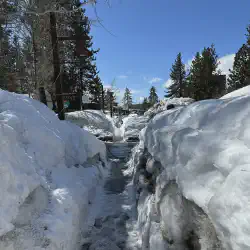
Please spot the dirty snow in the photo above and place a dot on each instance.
(50, 172)
(114, 226)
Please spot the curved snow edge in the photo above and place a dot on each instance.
(205, 148)
(44, 160)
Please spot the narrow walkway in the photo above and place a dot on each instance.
(113, 228)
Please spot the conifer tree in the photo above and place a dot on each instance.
(240, 74)
(202, 83)
(194, 78)
(145, 104)
(127, 99)
(153, 97)
(178, 77)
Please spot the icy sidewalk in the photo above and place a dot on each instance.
(114, 225)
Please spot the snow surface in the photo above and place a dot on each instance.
(50, 172)
(132, 126)
(192, 176)
(115, 218)
(239, 92)
(162, 106)
(94, 121)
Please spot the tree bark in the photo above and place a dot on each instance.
(56, 64)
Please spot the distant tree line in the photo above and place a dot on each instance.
(147, 102)
(203, 80)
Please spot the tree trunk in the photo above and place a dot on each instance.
(56, 63)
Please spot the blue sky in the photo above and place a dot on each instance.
(148, 34)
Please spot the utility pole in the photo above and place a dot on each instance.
(56, 63)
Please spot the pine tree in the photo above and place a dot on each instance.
(238, 77)
(194, 78)
(248, 46)
(240, 74)
(153, 97)
(145, 104)
(127, 99)
(109, 100)
(84, 55)
(178, 77)
(95, 89)
(6, 48)
(4, 57)
(202, 83)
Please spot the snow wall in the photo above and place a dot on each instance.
(132, 125)
(50, 173)
(95, 121)
(192, 177)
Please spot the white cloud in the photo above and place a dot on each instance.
(119, 93)
(155, 80)
(134, 91)
(122, 76)
(226, 63)
(168, 83)
(188, 64)
(141, 98)
(107, 86)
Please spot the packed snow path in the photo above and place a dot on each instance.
(113, 227)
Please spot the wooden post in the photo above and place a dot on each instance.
(103, 104)
(111, 103)
(34, 57)
(56, 63)
(42, 96)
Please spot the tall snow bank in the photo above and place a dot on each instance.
(239, 92)
(49, 174)
(94, 121)
(163, 105)
(132, 126)
(201, 153)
